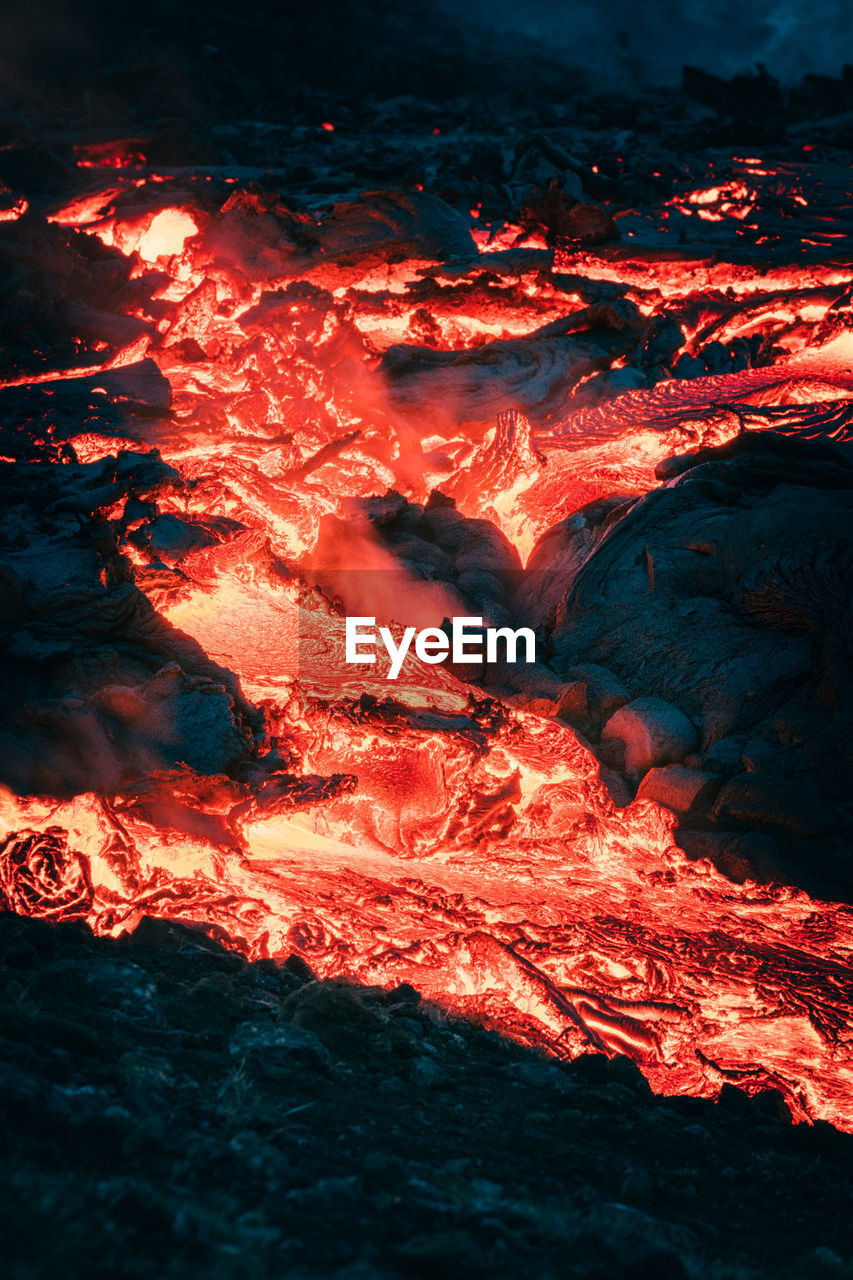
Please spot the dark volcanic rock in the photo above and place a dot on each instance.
(427, 561)
(740, 855)
(679, 789)
(167, 1107)
(798, 807)
(727, 592)
(653, 732)
(98, 687)
(535, 373)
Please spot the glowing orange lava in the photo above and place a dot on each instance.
(436, 836)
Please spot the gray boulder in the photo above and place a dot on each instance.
(677, 788)
(654, 733)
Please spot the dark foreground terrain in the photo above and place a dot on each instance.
(169, 1109)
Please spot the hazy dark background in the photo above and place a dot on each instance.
(649, 40)
(97, 60)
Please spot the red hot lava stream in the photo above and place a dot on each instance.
(436, 836)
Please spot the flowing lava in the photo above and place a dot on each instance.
(290, 367)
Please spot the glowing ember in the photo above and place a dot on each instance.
(124, 154)
(732, 199)
(167, 235)
(15, 210)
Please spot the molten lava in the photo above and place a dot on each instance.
(289, 367)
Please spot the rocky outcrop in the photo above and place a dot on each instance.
(721, 603)
(170, 1108)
